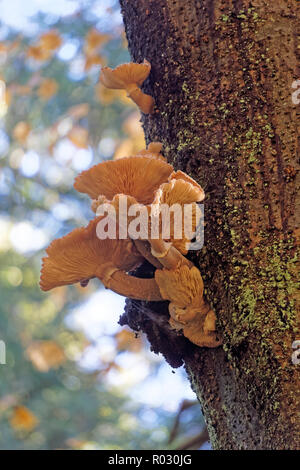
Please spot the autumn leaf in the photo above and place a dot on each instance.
(23, 419)
(21, 131)
(50, 40)
(79, 136)
(127, 340)
(94, 39)
(37, 52)
(45, 355)
(92, 60)
(48, 88)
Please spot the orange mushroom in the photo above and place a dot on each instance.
(37, 52)
(130, 77)
(170, 248)
(168, 251)
(23, 419)
(153, 150)
(50, 40)
(135, 176)
(47, 88)
(142, 244)
(189, 312)
(81, 255)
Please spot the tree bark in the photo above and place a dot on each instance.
(222, 74)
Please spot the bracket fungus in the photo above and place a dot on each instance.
(147, 181)
(183, 287)
(130, 77)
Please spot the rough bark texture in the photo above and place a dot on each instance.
(221, 77)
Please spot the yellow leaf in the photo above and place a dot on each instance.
(79, 136)
(50, 40)
(21, 131)
(48, 88)
(23, 419)
(45, 355)
(92, 60)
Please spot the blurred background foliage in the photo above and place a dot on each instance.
(73, 378)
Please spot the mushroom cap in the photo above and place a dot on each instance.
(125, 74)
(182, 286)
(138, 177)
(81, 255)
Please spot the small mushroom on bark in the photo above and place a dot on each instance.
(153, 150)
(189, 312)
(130, 77)
(81, 255)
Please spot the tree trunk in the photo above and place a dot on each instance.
(222, 74)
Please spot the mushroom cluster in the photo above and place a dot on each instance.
(146, 183)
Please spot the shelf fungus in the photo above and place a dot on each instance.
(130, 77)
(148, 186)
(189, 312)
(81, 255)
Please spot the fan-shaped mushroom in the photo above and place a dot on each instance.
(81, 255)
(135, 176)
(130, 77)
(153, 150)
